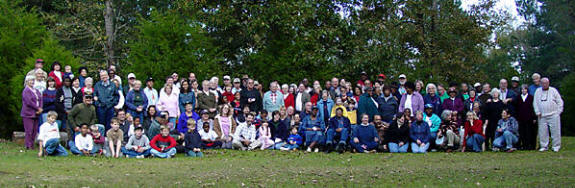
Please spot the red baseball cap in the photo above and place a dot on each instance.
(382, 75)
(39, 61)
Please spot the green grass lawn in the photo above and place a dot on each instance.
(229, 168)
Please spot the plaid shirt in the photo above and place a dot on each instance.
(243, 132)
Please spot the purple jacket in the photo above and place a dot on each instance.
(30, 102)
(453, 105)
(416, 102)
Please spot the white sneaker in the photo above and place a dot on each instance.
(284, 149)
(543, 149)
(555, 150)
(139, 157)
(316, 150)
(308, 150)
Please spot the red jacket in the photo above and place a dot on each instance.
(314, 99)
(477, 127)
(289, 101)
(158, 141)
(56, 79)
(229, 95)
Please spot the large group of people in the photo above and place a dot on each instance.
(112, 118)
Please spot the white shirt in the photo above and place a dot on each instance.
(524, 97)
(298, 103)
(547, 103)
(152, 95)
(84, 143)
(210, 135)
(235, 90)
(48, 131)
(408, 103)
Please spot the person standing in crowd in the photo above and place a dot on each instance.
(251, 97)
(186, 95)
(453, 103)
(169, 103)
(442, 92)
(76, 91)
(432, 98)
(130, 86)
(301, 98)
(40, 82)
(325, 104)
(515, 85)
(527, 119)
(207, 100)
(548, 107)
(536, 77)
(506, 134)
(387, 105)
(367, 104)
(289, 100)
(365, 138)
(420, 134)
(57, 74)
(473, 135)
(411, 99)
(106, 97)
(237, 86)
(136, 101)
(31, 110)
(506, 95)
(83, 71)
(492, 112)
(150, 92)
(64, 101)
(49, 98)
(273, 99)
(485, 94)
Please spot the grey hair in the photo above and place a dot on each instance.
(445, 113)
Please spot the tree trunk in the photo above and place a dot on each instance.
(109, 24)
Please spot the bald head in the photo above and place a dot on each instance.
(545, 83)
(503, 84)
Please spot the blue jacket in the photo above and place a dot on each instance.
(295, 137)
(309, 123)
(107, 95)
(419, 131)
(184, 98)
(334, 123)
(320, 104)
(387, 108)
(435, 101)
(183, 121)
(365, 134)
(132, 108)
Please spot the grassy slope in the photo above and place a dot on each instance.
(275, 168)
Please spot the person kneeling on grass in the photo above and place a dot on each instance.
(419, 133)
(507, 132)
(83, 143)
(49, 137)
(209, 137)
(163, 145)
(365, 136)
(138, 145)
(114, 138)
(293, 142)
(193, 140)
(99, 140)
(245, 134)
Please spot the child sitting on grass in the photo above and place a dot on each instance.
(209, 137)
(49, 137)
(114, 138)
(265, 139)
(83, 143)
(138, 145)
(294, 141)
(193, 140)
(163, 145)
(99, 140)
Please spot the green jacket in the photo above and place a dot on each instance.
(82, 114)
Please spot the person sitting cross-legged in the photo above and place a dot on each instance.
(506, 133)
(138, 145)
(163, 145)
(365, 138)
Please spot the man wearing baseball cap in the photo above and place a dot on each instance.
(237, 85)
(515, 86)
(227, 81)
(39, 64)
(402, 80)
(381, 79)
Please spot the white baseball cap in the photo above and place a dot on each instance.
(226, 77)
(131, 75)
(477, 84)
(402, 76)
(515, 78)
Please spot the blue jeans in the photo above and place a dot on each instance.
(507, 139)
(343, 135)
(53, 147)
(133, 153)
(475, 142)
(290, 146)
(105, 115)
(419, 149)
(170, 153)
(395, 148)
(278, 145)
(313, 136)
(369, 146)
(194, 154)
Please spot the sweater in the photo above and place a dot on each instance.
(84, 142)
(417, 102)
(82, 114)
(435, 101)
(268, 103)
(160, 141)
(476, 128)
(279, 129)
(295, 138)
(31, 102)
(510, 125)
(48, 131)
(320, 106)
(192, 140)
(255, 106)
(367, 105)
(455, 104)
(419, 131)
(142, 142)
(334, 123)
(134, 99)
(169, 103)
(397, 134)
(365, 133)
(49, 98)
(547, 103)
